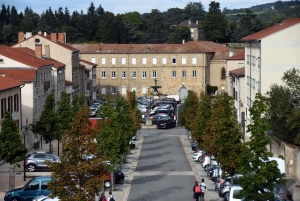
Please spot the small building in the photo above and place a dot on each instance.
(197, 32)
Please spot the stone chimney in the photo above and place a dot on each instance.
(53, 37)
(38, 50)
(20, 36)
(231, 52)
(62, 37)
(183, 41)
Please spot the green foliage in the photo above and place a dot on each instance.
(178, 34)
(191, 105)
(12, 149)
(75, 173)
(258, 172)
(203, 115)
(77, 103)
(64, 115)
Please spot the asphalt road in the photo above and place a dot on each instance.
(163, 171)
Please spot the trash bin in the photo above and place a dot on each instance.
(36, 145)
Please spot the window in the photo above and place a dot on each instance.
(1, 61)
(240, 65)
(253, 61)
(144, 90)
(258, 86)
(133, 60)
(154, 61)
(133, 89)
(103, 74)
(93, 60)
(113, 90)
(44, 185)
(183, 74)
(123, 74)
(144, 74)
(154, 73)
(103, 60)
(16, 102)
(194, 60)
(173, 61)
(133, 74)
(236, 95)
(123, 60)
(123, 90)
(164, 60)
(33, 186)
(103, 90)
(3, 107)
(144, 60)
(258, 62)
(113, 74)
(248, 59)
(10, 104)
(174, 73)
(113, 61)
(248, 80)
(183, 60)
(223, 76)
(194, 73)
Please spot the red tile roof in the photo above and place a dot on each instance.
(188, 47)
(271, 30)
(22, 75)
(7, 83)
(238, 72)
(221, 54)
(239, 54)
(87, 62)
(29, 51)
(25, 58)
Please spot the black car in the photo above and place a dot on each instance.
(165, 121)
(156, 117)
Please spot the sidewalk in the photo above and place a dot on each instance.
(120, 189)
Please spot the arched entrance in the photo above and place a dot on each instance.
(183, 92)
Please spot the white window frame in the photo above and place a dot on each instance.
(123, 60)
(93, 60)
(133, 89)
(113, 90)
(194, 73)
(113, 74)
(164, 60)
(134, 74)
(154, 60)
(144, 90)
(144, 74)
(123, 91)
(113, 61)
(183, 60)
(183, 74)
(194, 60)
(173, 73)
(103, 90)
(103, 60)
(154, 74)
(103, 74)
(123, 74)
(144, 60)
(133, 60)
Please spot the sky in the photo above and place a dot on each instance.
(124, 6)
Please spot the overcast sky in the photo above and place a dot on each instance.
(124, 6)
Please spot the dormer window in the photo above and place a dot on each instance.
(1, 61)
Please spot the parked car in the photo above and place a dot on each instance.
(93, 112)
(208, 160)
(197, 156)
(155, 118)
(194, 145)
(283, 192)
(132, 143)
(165, 121)
(226, 184)
(232, 193)
(37, 160)
(35, 187)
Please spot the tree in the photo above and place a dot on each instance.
(194, 11)
(258, 172)
(215, 24)
(12, 149)
(189, 112)
(203, 115)
(179, 34)
(283, 102)
(77, 103)
(82, 169)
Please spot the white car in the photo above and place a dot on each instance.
(208, 160)
(232, 193)
(93, 112)
(197, 156)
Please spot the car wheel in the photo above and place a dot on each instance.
(31, 167)
(199, 159)
(15, 199)
(226, 197)
(106, 184)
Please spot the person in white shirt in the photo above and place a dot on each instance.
(111, 197)
(203, 188)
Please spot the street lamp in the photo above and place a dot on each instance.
(24, 132)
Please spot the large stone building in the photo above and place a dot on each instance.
(134, 67)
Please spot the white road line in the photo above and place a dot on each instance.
(155, 173)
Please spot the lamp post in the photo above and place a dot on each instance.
(24, 132)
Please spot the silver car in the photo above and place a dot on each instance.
(37, 160)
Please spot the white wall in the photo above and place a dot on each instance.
(11, 63)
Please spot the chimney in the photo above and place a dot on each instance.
(231, 52)
(183, 41)
(61, 37)
(54, 37)
(20, 36)
(38, 50)
(197, 22)
(45, 34)
(190, 21)
(47, 51)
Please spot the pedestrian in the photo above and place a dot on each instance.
(143, 118)
(102, 197)
(111, 197)
(197, 191)
(203, 188)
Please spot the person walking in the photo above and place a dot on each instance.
(197, 191)
(102, 197)
(111, 197)
(203, 188)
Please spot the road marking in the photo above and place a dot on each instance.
(155, 173)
